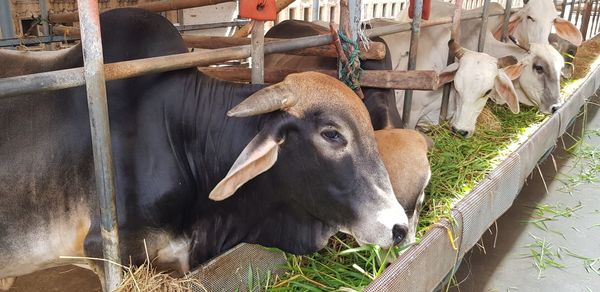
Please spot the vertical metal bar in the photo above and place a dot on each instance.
(412, 57)
(578, 12)
(585, 22)
(101, 144)
(506, 19)
(591, 25)
(44, 16)
(315, 10)
(258, 52)
(564, 8)
(483, 30)
(455, 35)
(571, 10)
(597, 17)
(355, 9)
(6, 20)
(593, 17)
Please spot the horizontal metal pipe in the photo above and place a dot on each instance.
(211, 25)
(31, 41)
(67, 78)
(158, 6)
(61, 79)
(415, 79)
(376, 50)
(402, 27)
(74, 31)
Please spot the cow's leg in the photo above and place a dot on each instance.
(93, 249)
(6, 283)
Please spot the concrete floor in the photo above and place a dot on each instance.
(503, 262)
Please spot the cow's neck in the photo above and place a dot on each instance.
(211, 141)
(258, 217)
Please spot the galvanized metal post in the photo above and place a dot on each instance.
(455, 35)
(596, 17)
(6, 21)
(483, 30)
(506, 19)
(101, 144)
(593, 4)
(585, 22)
(571, 10)
(578, 12)
(355, 8)
(412, 58)
(315, 10)
(258, 52)
(44, 17)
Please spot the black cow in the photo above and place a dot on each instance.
(302, 162)
(381, 103)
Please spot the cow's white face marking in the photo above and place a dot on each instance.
(535, 83)
(378, 228)
(474, 78)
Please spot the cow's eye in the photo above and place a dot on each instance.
(530, 18)
(539, 69)
(331, 135)
(487, 92)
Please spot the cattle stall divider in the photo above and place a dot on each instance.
(93, 64)
(94, 74)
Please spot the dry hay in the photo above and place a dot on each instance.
(147, 278)
(586, 55)
(487, 120)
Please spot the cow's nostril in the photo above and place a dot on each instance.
(462, 133)
(555, 108)
(399, 233)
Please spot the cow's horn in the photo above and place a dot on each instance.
(456, 49)
(526, 48)
(266, 100)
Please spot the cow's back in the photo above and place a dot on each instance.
(48, 203)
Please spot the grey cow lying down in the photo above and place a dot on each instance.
(201, 165)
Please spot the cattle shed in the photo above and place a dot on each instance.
(220, 46)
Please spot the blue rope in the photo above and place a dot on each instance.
(350, 74)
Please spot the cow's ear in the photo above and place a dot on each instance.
(513, 71)
(505, 91)
(258, 156)
(513, 23)
(448, 73)
(567, 31)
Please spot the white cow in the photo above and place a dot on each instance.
(539, 84)
(531, 24)
(475, 74)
